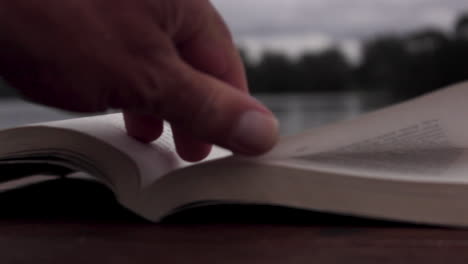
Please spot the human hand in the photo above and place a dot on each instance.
(156, 60)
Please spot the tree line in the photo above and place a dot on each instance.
(405, 65)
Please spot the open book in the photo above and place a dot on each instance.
(408, 162)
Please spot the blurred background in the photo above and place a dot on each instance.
(318, 61)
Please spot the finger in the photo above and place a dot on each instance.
(212, 50)
(143, 127)
(211, 110)
(188, 147)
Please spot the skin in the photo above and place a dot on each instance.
(155, 60)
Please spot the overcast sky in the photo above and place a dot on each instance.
(297, 25)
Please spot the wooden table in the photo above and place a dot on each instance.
(71, 223)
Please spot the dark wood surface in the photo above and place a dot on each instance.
(71, 223)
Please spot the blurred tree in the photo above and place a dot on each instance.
(324, 71)
(407, 65)
(461, 27)
(456, 55)
(250, 68)
(427, 50)
(274, 73)
(384, 65)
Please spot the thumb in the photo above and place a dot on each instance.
(213, 111)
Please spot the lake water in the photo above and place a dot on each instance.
(296, 112)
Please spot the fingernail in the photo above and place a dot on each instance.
(255, 133)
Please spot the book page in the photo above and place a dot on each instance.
(425, 138)
(153, 160)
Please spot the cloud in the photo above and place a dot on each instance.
(292, 44)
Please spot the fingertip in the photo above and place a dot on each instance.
(196, 154)
(142, 127)
(188, 148)
(255, 133)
